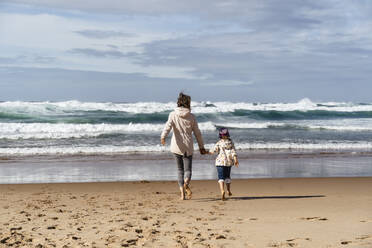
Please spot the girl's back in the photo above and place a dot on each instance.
(226, 152)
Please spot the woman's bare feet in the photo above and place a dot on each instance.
(182, 190)
(229, 193)
(188, 190)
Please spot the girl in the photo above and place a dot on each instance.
(225, 159)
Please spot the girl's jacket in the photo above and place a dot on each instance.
(226, 151)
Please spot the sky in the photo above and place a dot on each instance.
(214, 50)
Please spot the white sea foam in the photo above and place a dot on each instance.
(107, 149)
(303, 105)
(66, 130)
(15, 131)
(50, 108)
(337, 125)
(329, 145)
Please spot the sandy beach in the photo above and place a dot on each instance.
(306, 212)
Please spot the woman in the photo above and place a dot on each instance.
(183, 124)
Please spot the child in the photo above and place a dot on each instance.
(225, 159)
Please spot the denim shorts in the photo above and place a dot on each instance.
(223, 173)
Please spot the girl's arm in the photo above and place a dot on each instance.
(236, 162)
(235, 156)
(215, 149)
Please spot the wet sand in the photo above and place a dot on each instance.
(303, 212)
(161, 167)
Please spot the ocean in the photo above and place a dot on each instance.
(61, 130)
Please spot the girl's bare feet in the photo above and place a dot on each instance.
(223, 196)
(228, 185)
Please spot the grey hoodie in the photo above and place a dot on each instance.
(183, 123)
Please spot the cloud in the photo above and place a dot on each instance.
(60, 84)
(29, 59)
(283, 47)
(228, 83)
(9, 60)
(267, 14)
(97, 53)
(103, 34)
(112, 46)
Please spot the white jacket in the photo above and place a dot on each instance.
(226, 152)
(183, 123)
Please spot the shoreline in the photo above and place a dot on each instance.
(161, 167)
(167, 155)
(285, 212)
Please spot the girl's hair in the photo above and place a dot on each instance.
(183, 100)
(223, 132)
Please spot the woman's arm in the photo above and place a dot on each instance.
(167, 129)
(198, 136)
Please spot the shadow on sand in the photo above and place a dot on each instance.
(242, 198)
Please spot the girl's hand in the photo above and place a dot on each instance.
(162, 141)
(236, 162)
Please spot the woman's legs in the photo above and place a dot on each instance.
(188, 173)
(179, 161)
(184, 173)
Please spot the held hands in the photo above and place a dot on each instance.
(162, 141)
(203, 151)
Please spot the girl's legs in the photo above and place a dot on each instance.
(228, 180)
(222, 188)
(221, 180)
(228, 189)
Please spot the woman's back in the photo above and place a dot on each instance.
(183, 123)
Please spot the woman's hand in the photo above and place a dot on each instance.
(203, 151)
(162, 141)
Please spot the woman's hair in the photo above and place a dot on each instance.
(223, 132)
(183, 100)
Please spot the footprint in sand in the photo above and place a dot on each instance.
(345, 242)
(220, 237)
(314, 218)
(282, 244)
(363, 241)
(366, 221)
(363, 237)
(293, 242)
(181, 240)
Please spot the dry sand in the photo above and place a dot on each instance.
(324, 212)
